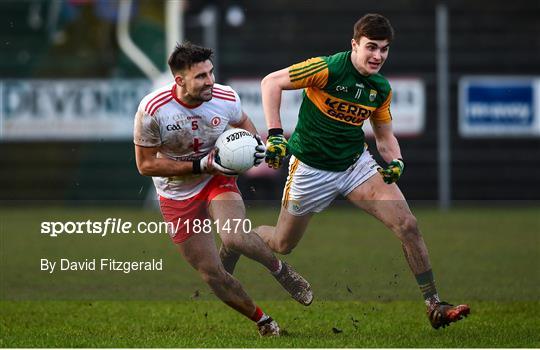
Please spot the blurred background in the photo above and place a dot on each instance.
(465, 74)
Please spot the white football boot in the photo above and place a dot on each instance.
(296, 285)
(268, 328)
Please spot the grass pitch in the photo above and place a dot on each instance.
(328, 324)
(365, 294)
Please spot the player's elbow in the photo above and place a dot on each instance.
(143, 171)
(271, 81)
(284, 247)
(144, 168)
(266, 82)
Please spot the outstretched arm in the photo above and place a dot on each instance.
(310, 73)
(388, 147)
(387, 144)
(271, 87)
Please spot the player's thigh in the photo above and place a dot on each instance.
(290, 228)
(383, 201)
(226, 206)
(228, 214)
(200, 251)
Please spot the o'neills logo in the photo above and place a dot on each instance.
(346, 112)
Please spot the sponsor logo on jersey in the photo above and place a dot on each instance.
(340, 88)
(338, 109)
(347, 112)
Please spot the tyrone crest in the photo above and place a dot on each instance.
(215, 121)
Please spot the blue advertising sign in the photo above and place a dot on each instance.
(499, 106)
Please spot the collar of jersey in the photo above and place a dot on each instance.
(173, 92)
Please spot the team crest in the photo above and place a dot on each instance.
(215, 121)
(294, 205)
(372, 95)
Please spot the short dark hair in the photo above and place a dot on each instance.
(186, 55)
(373, 26)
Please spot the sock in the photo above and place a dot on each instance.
(259, 316)
(427, 287)
(276, 268)
(432, 300)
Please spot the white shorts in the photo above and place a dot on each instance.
(310, 189)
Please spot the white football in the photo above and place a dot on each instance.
(236, 149)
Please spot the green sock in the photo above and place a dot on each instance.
(427, 285)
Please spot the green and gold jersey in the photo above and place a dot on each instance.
(337, 100)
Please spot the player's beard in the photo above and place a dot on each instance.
(199, 97)
(205, 95)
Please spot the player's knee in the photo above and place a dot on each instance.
(284, 247)
(232, 241)
(214, 275)
(408, 228)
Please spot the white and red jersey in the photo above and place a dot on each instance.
(184, 133)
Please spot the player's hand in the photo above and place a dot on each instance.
(211, 166)
(260, 151)
(276, 150)
(393, 172)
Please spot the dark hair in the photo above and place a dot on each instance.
(186, 55)
(373, 26)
